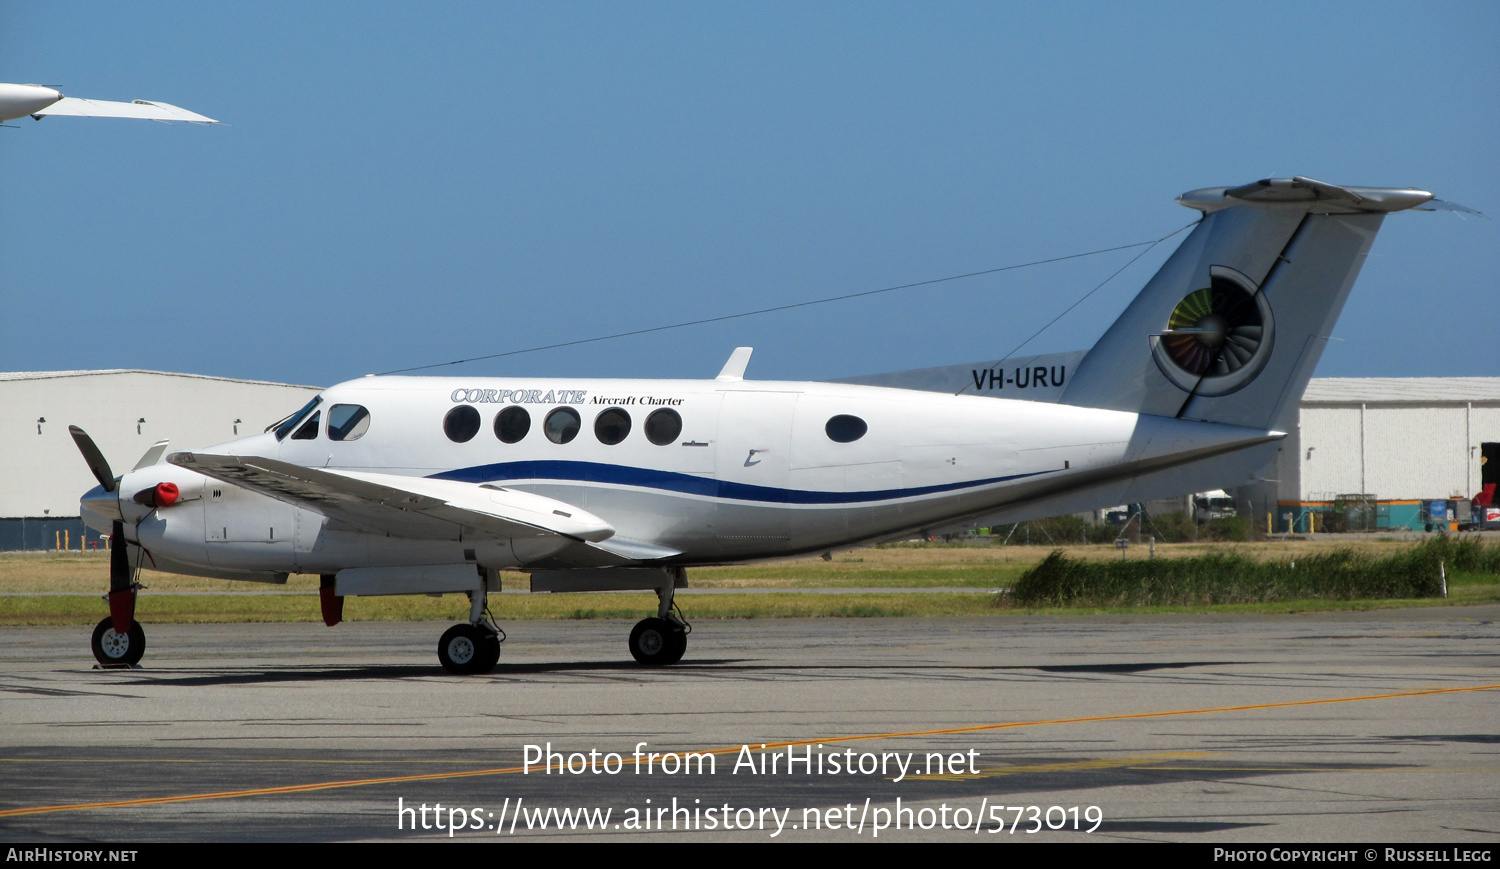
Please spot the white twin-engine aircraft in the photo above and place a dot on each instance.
(418, 485)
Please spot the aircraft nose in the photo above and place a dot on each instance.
(101, 506)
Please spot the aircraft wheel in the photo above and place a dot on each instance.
(679, 644)
(464, 650)
(657, 642)
(490, 651)
(111, 648)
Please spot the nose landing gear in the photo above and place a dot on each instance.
(113, 649)
(119, 640)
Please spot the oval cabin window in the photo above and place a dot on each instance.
(512, 424)
(461, 424)
(611, 426)
(562, 425)
(845, 428)
(663, 426)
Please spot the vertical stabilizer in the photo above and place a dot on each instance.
(1231, 327)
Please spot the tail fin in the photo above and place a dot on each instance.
(1231, 327)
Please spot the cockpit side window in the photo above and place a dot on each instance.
(309, 429)
(347, 422)
(284, 427)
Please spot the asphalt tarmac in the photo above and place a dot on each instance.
(1316, 728)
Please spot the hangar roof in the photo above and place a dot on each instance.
(1402, 390)
(1322, 390)
(45, 375)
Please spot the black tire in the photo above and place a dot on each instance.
(679, 644)
(462, 650)
(657, 642)
(112, 649)
(490, 650)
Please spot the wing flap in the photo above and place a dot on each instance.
(415, 507)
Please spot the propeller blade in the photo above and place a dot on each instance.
(151, 456)
(95, 459)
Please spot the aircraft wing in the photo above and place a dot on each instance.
(413, 507)
(144, 109)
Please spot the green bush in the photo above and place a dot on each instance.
(1234, 529)
(1055, 531)
(1465, 554)
(1223, 578)
(1172, 528)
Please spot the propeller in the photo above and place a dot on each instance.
(121, 575)
(96, 461)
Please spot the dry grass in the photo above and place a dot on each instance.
(894, 566)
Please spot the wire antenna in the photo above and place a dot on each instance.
(794, 305)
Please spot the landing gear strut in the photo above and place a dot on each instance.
(473, 648)
(662, 640)
(119, 640)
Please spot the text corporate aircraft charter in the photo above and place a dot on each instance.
(425, 485)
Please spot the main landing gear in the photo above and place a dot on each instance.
(662, 640)
(658, 642)
(466, 649)
(473, 648)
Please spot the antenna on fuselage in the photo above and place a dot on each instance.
(734, 368)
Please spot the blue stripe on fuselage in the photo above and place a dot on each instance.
(671, 481)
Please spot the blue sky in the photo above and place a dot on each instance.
(406, 184)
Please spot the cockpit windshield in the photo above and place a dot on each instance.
(284, 427)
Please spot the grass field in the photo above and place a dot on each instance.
(58, 588)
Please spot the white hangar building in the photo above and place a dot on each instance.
(125, 412)
(1390, 442)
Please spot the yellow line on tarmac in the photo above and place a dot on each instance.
(1131, 761)
(219, 760)
(768, 746)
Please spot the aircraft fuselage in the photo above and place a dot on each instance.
(757, 469)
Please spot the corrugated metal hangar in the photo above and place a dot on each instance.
(1368, 452)
(125, 411)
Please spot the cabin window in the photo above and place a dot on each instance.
(845, 428)
(347, 422)
(663, 426)
(512, 424)
(461, 424)
(285, 425)
(562, 425)
(611, 426)
(309, 429)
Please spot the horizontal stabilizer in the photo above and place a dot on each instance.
(1445, 205)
